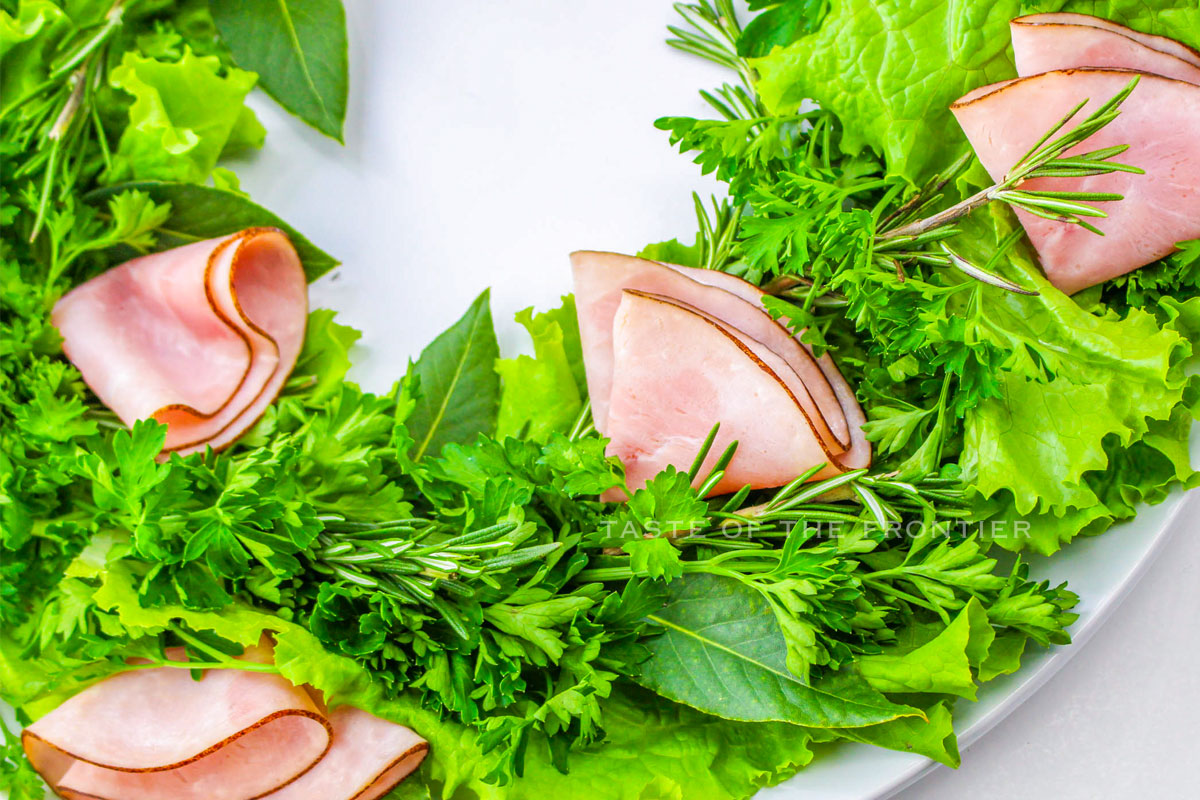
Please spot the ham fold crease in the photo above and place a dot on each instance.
(157, 734)
(670, 351)
(201, 337)
(1064, 59)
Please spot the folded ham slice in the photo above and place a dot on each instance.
(157, 733)
(677, 371)
(600, 279)
(233, 735)
(1046, 42)
(201, 337)
(368, 758)
(647, 439)
(1159, 121)
(858, 456)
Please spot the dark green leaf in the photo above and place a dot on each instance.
(723, 653)
(298, 49)
(201, 212)
(459, 388)
(780, 25)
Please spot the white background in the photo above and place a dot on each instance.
(485, 141)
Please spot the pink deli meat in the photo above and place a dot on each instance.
(1046, 42)
(1159, 121)
(156, 733)
(368, 758)
(201, 337)
(233, 735)
(601, 277)
(642, 415)
(676, 372)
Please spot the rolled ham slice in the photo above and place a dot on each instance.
(368, 758)
(600, 279)
(859, 454)
(1046, 42)
(1159, 121)
(825, 401)
(678, 371)
(201, 337)
(157, 733)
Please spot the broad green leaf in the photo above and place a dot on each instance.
(780, 24)
(202, 212)
(326, 355)
(941, 666)
(721, 651)
(933, 738)
(459, 389)
(298, 49)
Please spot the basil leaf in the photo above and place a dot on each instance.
(722, 652)
(458, 389)
(298, 49)
(202, 212)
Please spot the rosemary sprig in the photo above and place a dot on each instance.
(60, 112)
(910, 233)
(419, 562)
(712, 33)
(1043, 160)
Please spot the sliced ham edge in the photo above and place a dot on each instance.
(775, 445)
(1159, 208)
(201, 337)
(1043, 45)
(149, 733)
(369, 756)
(859, 454)
(300, 751)
(599, 281)
(1163, 44)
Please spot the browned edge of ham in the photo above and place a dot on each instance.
(1158, 121)
(235, 734)
(1060, 20)
(201, 337)
(600, 278)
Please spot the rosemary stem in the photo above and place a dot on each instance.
(954, 212)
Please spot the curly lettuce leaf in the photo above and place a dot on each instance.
(1081, 392)
(27, 39)
(543, 394)
(890, 71)
(185, 113)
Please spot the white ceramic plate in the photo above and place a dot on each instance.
(484, 142)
